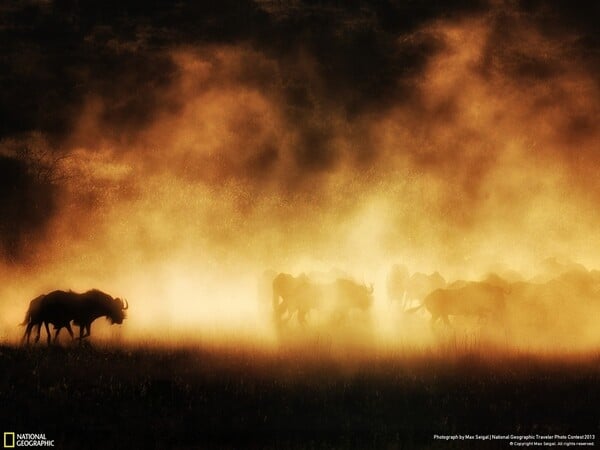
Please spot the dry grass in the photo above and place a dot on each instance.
(202, 397)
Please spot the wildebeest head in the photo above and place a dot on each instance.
(117, 312)
(355, 295)
(102, 304)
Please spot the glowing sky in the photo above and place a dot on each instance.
(170, 154)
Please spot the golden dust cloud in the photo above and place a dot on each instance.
(183, 216)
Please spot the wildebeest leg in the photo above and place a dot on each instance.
(84, 331)
(27, 332)
(279, 307)
(48, 334)
(68, 327)
(279, 311)
(56, 335)
(404, 301)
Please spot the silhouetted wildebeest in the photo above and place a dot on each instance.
(60, 308)
(35, 317)
(299, 295)
(420, 285)
(349, 296)
(294, 295)
(406, 288)
(475, 298)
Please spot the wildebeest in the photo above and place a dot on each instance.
(473, 299)
(350, 296)
(406, 288)
(299, 295)
(35, 317)
(61, 307)
(420, 285)
(294, 295)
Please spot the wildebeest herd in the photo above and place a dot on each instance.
(299, 295)
(559, 301)
(60, 308)
(334, 299)
(479, 299)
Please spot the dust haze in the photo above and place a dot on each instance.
(175, 165)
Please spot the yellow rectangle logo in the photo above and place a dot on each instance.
(9, 440)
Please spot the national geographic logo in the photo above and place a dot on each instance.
(9, 440)
(12, 440)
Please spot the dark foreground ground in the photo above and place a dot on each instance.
(199, 398)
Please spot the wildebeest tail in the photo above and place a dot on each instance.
(27, 318)
(34, 305)
(415, 309)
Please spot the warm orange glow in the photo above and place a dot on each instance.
(183, 218)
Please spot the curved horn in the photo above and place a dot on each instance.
(126, 305)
